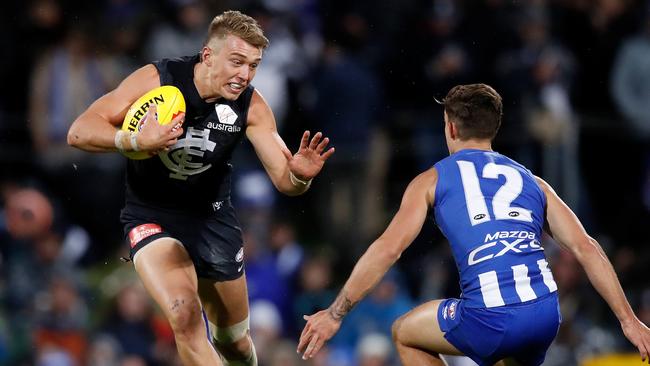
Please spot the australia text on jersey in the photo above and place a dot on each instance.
(223, 127)
(226, 117)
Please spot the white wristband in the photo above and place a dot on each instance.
(119, 140)
(297, 182)
(134, 142)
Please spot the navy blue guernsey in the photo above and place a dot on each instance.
(491, 210)
(196, 171)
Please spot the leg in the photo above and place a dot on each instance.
(169, 276)
(226, 305)
(418, 337)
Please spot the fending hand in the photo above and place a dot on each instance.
(319, 329)
(639, 335)
(308, 161)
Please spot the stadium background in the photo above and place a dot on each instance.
(575, 77)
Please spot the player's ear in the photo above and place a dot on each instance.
(453, 131)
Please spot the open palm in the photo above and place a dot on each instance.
(307, 162)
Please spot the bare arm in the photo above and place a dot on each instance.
(94, 130)
(275, 156)
(566, 229)
(374, 263)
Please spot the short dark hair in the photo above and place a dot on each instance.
(476, 109)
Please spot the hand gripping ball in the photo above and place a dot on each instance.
(170, 103)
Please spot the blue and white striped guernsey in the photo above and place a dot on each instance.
(491, 210)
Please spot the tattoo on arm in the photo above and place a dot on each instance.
(341, 306)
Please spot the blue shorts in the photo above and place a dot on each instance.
(486, 335)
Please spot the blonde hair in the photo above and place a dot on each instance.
(238, 24)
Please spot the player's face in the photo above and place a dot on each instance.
(233, 66)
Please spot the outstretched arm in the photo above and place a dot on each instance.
(290, 173)
(374, 263)
(566, 229)
(95, 129)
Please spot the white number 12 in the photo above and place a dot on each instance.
(509, 191)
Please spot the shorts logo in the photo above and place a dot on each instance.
(240, 255)
(239, 258)
(216, 206)
(141, 232)
(450, 310)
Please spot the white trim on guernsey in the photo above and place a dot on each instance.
(522, 283)
(547, 275)
(490, 289)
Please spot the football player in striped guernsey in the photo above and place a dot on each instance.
(492, 210)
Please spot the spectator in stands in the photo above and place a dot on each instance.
(316, 293)
(62, 321)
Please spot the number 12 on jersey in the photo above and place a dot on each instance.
(508, 192)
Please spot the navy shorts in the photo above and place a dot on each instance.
(213, 241)
(486, 335)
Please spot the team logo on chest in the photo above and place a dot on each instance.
(227, 118)
(179, 158)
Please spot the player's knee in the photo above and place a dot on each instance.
(184, 315)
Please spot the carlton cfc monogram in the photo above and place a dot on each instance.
(179, 158)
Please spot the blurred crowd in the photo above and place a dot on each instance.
(575, 77)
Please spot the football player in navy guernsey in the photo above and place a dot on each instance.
(492, 210)
(186, 243)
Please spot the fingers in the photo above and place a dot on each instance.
(316, 144)
(304, 336)
(328, 153)
(310, 343)
(171, 143)
(174, 129)
(322, 145)
(173, 126)
(644, 343)
(176, 132)
(313, 336)
(319, 146)
(305, 140)
(314, 141)
(304, 339)
(156, 137)
(151, 114)
(312, 349)
(177, 122)
(179, 119)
